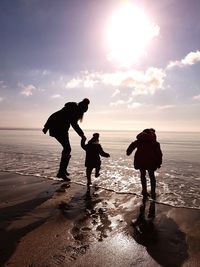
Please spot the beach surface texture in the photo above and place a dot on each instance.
(48, 223)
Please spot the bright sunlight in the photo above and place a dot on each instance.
(129, 33)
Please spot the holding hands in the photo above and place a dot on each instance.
(83, 138)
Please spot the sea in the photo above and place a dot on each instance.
(30, 152)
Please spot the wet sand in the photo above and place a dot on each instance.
(46, 223)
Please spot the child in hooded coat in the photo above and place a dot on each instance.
(93, 152)
(148, 157)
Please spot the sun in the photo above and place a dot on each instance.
(128, 34)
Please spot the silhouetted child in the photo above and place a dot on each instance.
(93, 152)
(148, 157)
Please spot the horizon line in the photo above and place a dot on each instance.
(114, 130)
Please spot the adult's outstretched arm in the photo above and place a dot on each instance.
(77, 128)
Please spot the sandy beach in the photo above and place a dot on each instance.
(47, 223)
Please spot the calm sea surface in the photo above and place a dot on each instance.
(30, 152)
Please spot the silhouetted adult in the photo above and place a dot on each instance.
(58, 125)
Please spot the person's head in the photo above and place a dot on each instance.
(83, 107)
(95, 138)
(151, 132)
(147, 135)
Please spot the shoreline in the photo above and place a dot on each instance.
(48, 223)
(51, 181)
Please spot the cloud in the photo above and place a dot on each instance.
(196, 97)
(134, 105)
(46, 72)
(27, 90)
(56, 96)
(165, 107)
(76, 82)
(2, 85)
(121, 102)
(116, 92)
(146, 83)
(142, 82)
(38, 72)
(1, 99)
(190, 59)
(86, 79)
(117, 103)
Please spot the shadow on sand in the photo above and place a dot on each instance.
(163, 239)
(10, 238)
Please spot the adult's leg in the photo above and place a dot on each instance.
(143, 182)
(65, 155)
(88, 174)
(153, 183)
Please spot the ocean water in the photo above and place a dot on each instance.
(30, 152)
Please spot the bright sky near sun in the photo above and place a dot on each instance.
(128, 34)
(137, 61)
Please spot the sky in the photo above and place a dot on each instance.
(137, 61)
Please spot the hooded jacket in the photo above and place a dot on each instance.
(93, 152)
(148, 155)
(59, 122)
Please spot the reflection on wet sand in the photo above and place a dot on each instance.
(89, 214)
(144, 228)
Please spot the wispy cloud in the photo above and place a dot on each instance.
(165, 107)
(121, 102)
(196, 97)
(46, 72)
(76, 82)
(135, 105)
(190, 59)
(116, 92)
(3, 85)
(117, 103)
(86, 79)
(56, 96)
(38, 72)
(27, 90)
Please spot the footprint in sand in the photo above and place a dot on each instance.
(58, 259)
(75, 251)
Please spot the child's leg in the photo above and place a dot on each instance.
(97, 169)
(143, 182)
(88, 174)
(153, 183)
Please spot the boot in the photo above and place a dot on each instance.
(67, 162)
(88, 174)
(97, 169)
(62, 173)
(153, 187)
(144, 187)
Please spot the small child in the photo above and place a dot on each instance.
(148, 157)
(93, 152)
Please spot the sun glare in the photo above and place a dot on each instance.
(129, 33)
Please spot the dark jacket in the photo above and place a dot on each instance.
(59, 122)
(93, 153)
(148, 155)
